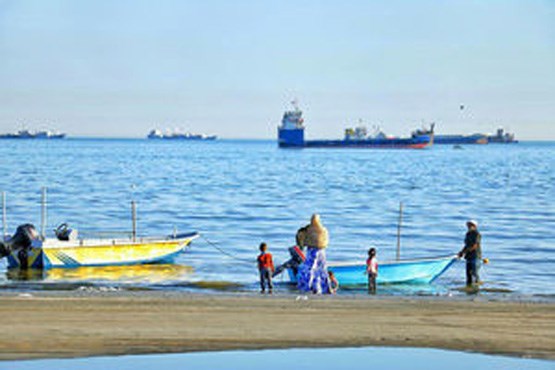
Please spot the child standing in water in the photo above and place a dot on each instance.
(334, 284)
(265, 268)
(372, 270)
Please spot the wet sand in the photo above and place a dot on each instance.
(47, 325)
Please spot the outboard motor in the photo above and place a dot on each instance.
(24, 236)
(21, 240)
(4, 251)
(64, 233)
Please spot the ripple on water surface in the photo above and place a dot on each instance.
(239, 193)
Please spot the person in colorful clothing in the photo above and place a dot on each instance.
(297, 258)
(313, 273)
(297, 255)
(265, 268)
(472, 253)
(372, 270)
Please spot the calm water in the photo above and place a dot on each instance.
(239, 193)
(343, 358)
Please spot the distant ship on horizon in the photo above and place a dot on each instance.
(177, 135)
(500, 136)
(291, 135)
(27, 134)
(461, 139)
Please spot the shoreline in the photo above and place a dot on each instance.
(69, 324)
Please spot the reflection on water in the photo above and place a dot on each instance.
(132, 274)
(181, 277)
(106, 278)
(318, 359)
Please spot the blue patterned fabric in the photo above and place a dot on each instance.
(313, 273)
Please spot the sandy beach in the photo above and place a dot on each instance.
(50, 325)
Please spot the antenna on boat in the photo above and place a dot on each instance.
(133, 214)
(295, 104)
(4, 218)
(43, 213)
(399, 231)
(134, 220)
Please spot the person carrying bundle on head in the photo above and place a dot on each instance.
(313, 273)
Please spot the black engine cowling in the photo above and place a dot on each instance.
(4, 250)
(21, 240)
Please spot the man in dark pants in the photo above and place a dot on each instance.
(472, 253)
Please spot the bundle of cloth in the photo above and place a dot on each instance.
(313, 273)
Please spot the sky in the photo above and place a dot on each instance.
(119, 68)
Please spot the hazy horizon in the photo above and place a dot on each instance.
(121, 68)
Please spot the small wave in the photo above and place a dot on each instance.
(96, 289)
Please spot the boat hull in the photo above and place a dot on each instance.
(397, 143)
(460, 139)
(419, 271)
(63, 254)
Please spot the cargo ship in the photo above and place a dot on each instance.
(502, 137)
(291, 135)
(177, 135)
(26, 134)
(461, 139)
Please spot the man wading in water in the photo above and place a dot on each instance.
(472, 253)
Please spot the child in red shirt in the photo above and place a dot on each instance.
(265, 268)
(372, 270)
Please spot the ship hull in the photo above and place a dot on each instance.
(184, 138)
(460, 139)
(419, 142)
(33, 137)
(416, 143)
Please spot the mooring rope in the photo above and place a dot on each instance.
(226, 253)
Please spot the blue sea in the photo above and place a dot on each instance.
(240, 193)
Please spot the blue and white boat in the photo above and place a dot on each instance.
(411, 271)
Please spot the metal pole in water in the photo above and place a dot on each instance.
(43, 213)
(134, 219)
(399, 231)
(4, 218)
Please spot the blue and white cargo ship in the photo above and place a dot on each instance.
(291, 135)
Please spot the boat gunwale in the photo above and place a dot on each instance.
(400, 262)
(181, 239)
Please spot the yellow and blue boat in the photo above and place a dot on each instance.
(26, 250)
